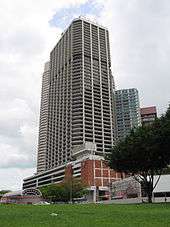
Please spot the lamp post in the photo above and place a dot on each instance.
(110, 191)
(71, 185)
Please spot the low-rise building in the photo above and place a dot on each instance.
(130, 188)
(148, 115)
(126, 188)
(27, 196)
(92, 169)
(162, 189)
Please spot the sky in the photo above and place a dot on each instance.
(140, 51)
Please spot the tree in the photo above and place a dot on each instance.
(61, 192)
(75, 188)
(164, 132)
(53, 192)
(144, 153)
(2, 192)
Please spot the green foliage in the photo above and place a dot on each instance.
(144, 153)
(140, 152)
(164, 132)
(53, 192)
(2, 192)
(166, 171)
(77, 188)
(62, 192)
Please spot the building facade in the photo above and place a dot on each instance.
(27, 196)
(80, 119)
(80, 93)
(92, 170)
(43, 124)
(127, 111)
(148, 115)
(126, 188)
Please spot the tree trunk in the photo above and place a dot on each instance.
(149, 191)
(150, 197)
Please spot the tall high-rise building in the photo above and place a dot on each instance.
(80, 93)
(127, 111)
(43, 124)
(148, 115)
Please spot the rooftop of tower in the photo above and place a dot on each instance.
(83, 18)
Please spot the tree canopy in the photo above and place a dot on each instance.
(4, 191)
(64, 192)
(144, 153)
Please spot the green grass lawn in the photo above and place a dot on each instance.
(85, 215)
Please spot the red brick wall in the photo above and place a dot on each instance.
(98, 172)
(103, 174)
(87, 174)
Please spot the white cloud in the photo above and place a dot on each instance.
(25, 44)
(12, 178)
(139, 35)
(11, 156)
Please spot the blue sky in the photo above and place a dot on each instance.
(64, 17)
